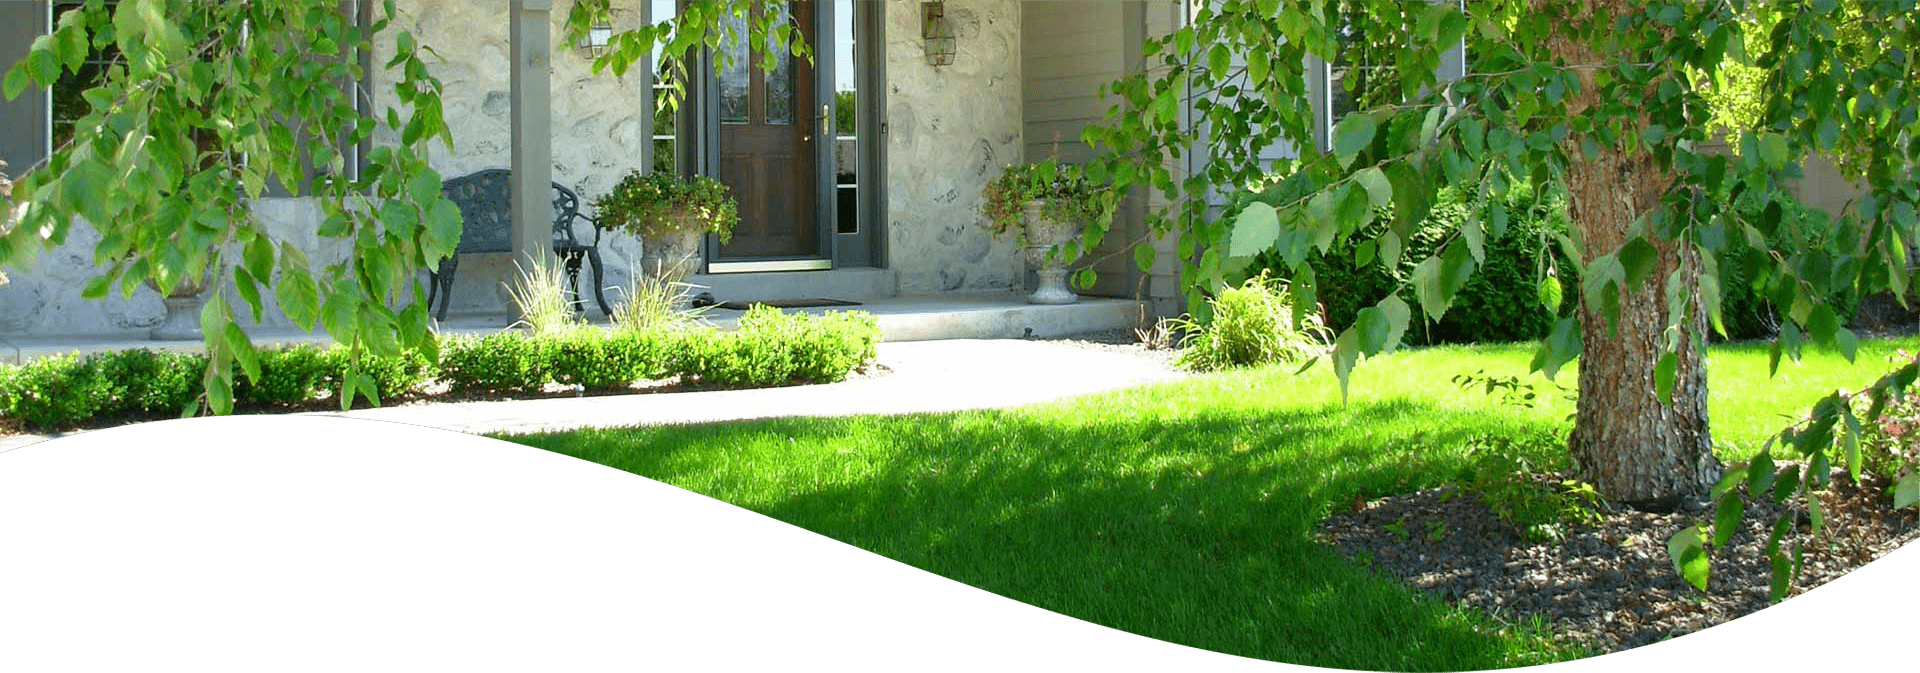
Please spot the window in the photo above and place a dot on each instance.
(666, 119)
(846, 142)
(1360, 76)
(67, 104)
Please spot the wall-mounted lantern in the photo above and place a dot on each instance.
(595, 43)
(937, 33)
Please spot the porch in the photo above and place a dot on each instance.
(982, 315)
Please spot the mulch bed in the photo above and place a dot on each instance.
(1609, 586)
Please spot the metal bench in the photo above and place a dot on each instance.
(487, 226)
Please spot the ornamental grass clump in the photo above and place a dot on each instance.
(1252, 325)
(661, 202)
(541, 297)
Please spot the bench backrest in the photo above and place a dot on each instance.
(486, 216)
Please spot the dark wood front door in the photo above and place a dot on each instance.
(768, 131)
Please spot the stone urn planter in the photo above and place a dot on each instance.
(1043, 235)
(672, 253)
(183, 310)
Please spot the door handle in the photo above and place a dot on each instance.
(825, 130)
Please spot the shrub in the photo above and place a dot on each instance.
(290, 375)
(1745, 308)
(775, 348)
(1252, 325)
(770, 348)
(141, 381)
(61, 390)
(392, 376)
(498, 361)
(1500, 303)
(52, 391)
(603, 359)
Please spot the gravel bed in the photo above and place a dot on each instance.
(1118, 340)
(1609, 586)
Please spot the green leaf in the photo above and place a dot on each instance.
(1427, 290)
(1143, 257)
(16, 82)
(1782, 577)
(1476, 239)
(1379, 190)
(1637, 258)
(1726, 519)
(1550, 293)
(46, 67)
(1353, 134)
(1821, 324)
(1689, 557)
(1497, 218)
(1773, 150)
(1760, 474)
(243, 350)
(1907, 492)
(1254, 230)
(1353, 211)
(1561, 346)
(1364, 253)
(1816, 516)
(1398, 316)
(1663, 376)
(1346, 351)
(1456, 267)
(1373, 328)
(1390, 247)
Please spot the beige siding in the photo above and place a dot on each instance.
(1068, 50)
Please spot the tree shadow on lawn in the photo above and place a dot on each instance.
(1196, 530)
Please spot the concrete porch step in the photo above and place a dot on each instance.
(997, 315)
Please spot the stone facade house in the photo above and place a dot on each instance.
(888, 206)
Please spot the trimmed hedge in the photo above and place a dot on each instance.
(769, 348)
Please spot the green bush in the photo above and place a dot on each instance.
(770, 348)
(1745, 309)
(775, 348)
(494, 362)
(392, 376)
(53, 391)
(141, 381)
(1499, 303)
(1252, 325)
(606, 359)
(290, 375)
(61, 390)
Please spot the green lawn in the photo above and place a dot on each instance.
(1183, 511)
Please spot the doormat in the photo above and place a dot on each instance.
(787, 303)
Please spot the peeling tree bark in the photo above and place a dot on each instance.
(1633, 447)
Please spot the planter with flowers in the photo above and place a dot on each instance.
(669, 213)
(1047, 206)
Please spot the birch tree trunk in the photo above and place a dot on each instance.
(1633, 447)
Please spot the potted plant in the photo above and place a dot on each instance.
(669, 213)
(1046, 205)
(183, 303)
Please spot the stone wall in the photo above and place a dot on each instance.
(950, 130)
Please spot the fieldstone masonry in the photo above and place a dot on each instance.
(951, 128)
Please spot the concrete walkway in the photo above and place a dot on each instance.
(942, 375)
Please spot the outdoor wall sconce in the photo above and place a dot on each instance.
(595, 43)
(937, 32)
